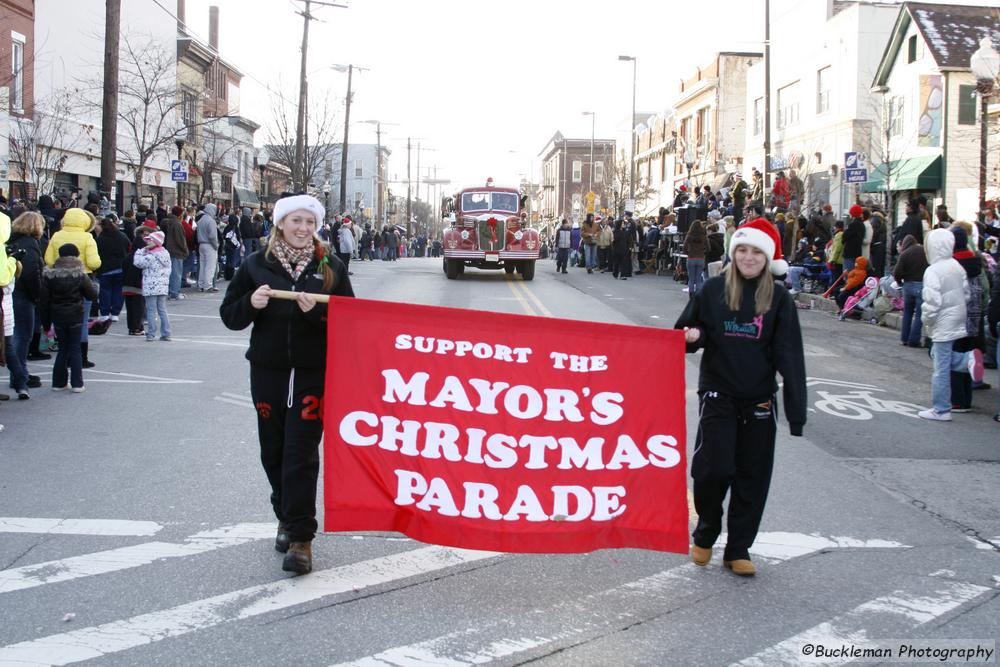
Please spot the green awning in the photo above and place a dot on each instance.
(918, 173)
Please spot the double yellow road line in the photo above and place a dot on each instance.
(531, 304)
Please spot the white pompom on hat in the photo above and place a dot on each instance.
(762, 235)
(287, 205)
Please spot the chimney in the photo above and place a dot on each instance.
(213, 27)
(181, 17)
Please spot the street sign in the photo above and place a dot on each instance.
(855, 175)
(630, 206)
(851, 161)
(179, 171)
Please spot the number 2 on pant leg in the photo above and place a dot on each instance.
(313, 408)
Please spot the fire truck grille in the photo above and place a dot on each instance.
(485, 235)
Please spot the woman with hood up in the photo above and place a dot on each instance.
(943, 313)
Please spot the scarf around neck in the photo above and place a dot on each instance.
(293, 260)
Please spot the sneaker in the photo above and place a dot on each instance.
(62, 388)
(114, 318)
(23, 395)
(150, 339)
(137, 333)
(77, 390)
(960, 409)
(976, 365)
(34, 382)
(933, 416)
(982, 386)
(166, 338)
(41, 356)
(213, 289)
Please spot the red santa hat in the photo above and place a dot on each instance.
(762, 235)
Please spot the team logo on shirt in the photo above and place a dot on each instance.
(751, 329)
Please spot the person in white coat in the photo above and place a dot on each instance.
(943, 314)
(347, 242)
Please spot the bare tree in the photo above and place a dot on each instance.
(618, 185)
(149, 106)
(39, 146)
(215, 148)
(321, 140)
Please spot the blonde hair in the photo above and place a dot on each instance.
(93, 221)
(736, 283)
(329, 277)
(28, 223)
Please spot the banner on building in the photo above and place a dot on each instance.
(931, 111)
(504, 432)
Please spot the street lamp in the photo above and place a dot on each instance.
(262, 159)
(179, 138)
(326, 197)
(985, 66)
(689, 160)
(590, 187)
(631, 131)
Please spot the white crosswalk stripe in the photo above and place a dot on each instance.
(239, 400)
(100, 640)
(124, 558)
(904, 610)
(607, 609)
(518, 637)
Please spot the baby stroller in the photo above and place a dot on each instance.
(863, 298)
(817, 276)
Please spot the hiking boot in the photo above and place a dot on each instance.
(700, 555)
(741, 567)
(282, 539)
(299, 558)
(34, 382)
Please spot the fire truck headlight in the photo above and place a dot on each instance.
(465, 235)
(517, 235)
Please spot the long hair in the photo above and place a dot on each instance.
(736, 283)
(320, 253)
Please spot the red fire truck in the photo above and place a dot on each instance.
(489, 230)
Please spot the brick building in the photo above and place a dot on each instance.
(567, 176)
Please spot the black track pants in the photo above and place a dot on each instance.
(289, 442)
(734, 452)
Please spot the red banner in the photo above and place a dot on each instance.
(504, 432)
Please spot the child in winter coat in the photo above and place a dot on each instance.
(65, 288)
(154, 261)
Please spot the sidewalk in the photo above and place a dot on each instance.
(817, 302)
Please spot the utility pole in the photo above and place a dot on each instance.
(109, 111)
(767, 99)
(378, 173)
(298, 170)
(343, 152)
(407, 186)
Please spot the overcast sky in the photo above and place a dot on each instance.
(485, 84)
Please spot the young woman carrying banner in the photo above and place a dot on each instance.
(749, 329)
(288, 361)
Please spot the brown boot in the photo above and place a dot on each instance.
(701, 555)
(299, 558)
(741, 567)
(282, 539)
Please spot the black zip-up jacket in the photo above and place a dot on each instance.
(282, 335)
(113, 247)
(743, 351)
(64, 287)
(854, 238)
(29, 283)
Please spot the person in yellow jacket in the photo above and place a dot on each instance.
(77, 225)
(8, 265)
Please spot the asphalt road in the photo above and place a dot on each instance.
(135, 528)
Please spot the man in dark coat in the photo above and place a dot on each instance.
(854, 237)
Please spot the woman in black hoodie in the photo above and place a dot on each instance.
(113, 247)
(287, 362)
(749, 329)
(26, 230)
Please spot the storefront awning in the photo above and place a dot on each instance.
(247, 198)
(919, 173)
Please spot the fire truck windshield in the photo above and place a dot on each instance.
(481, 201)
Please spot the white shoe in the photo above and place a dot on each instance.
(114, 318)
(77, 390)
(935, 416)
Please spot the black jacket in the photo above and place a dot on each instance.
(993, 314)
(29, 283)
(247, 230)
(112, 246)
(716, 247)
(911, 264)
(743, 351)
(912, 226)
(854, 238)
(282, 335)
(64, 287)
(133, 274)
